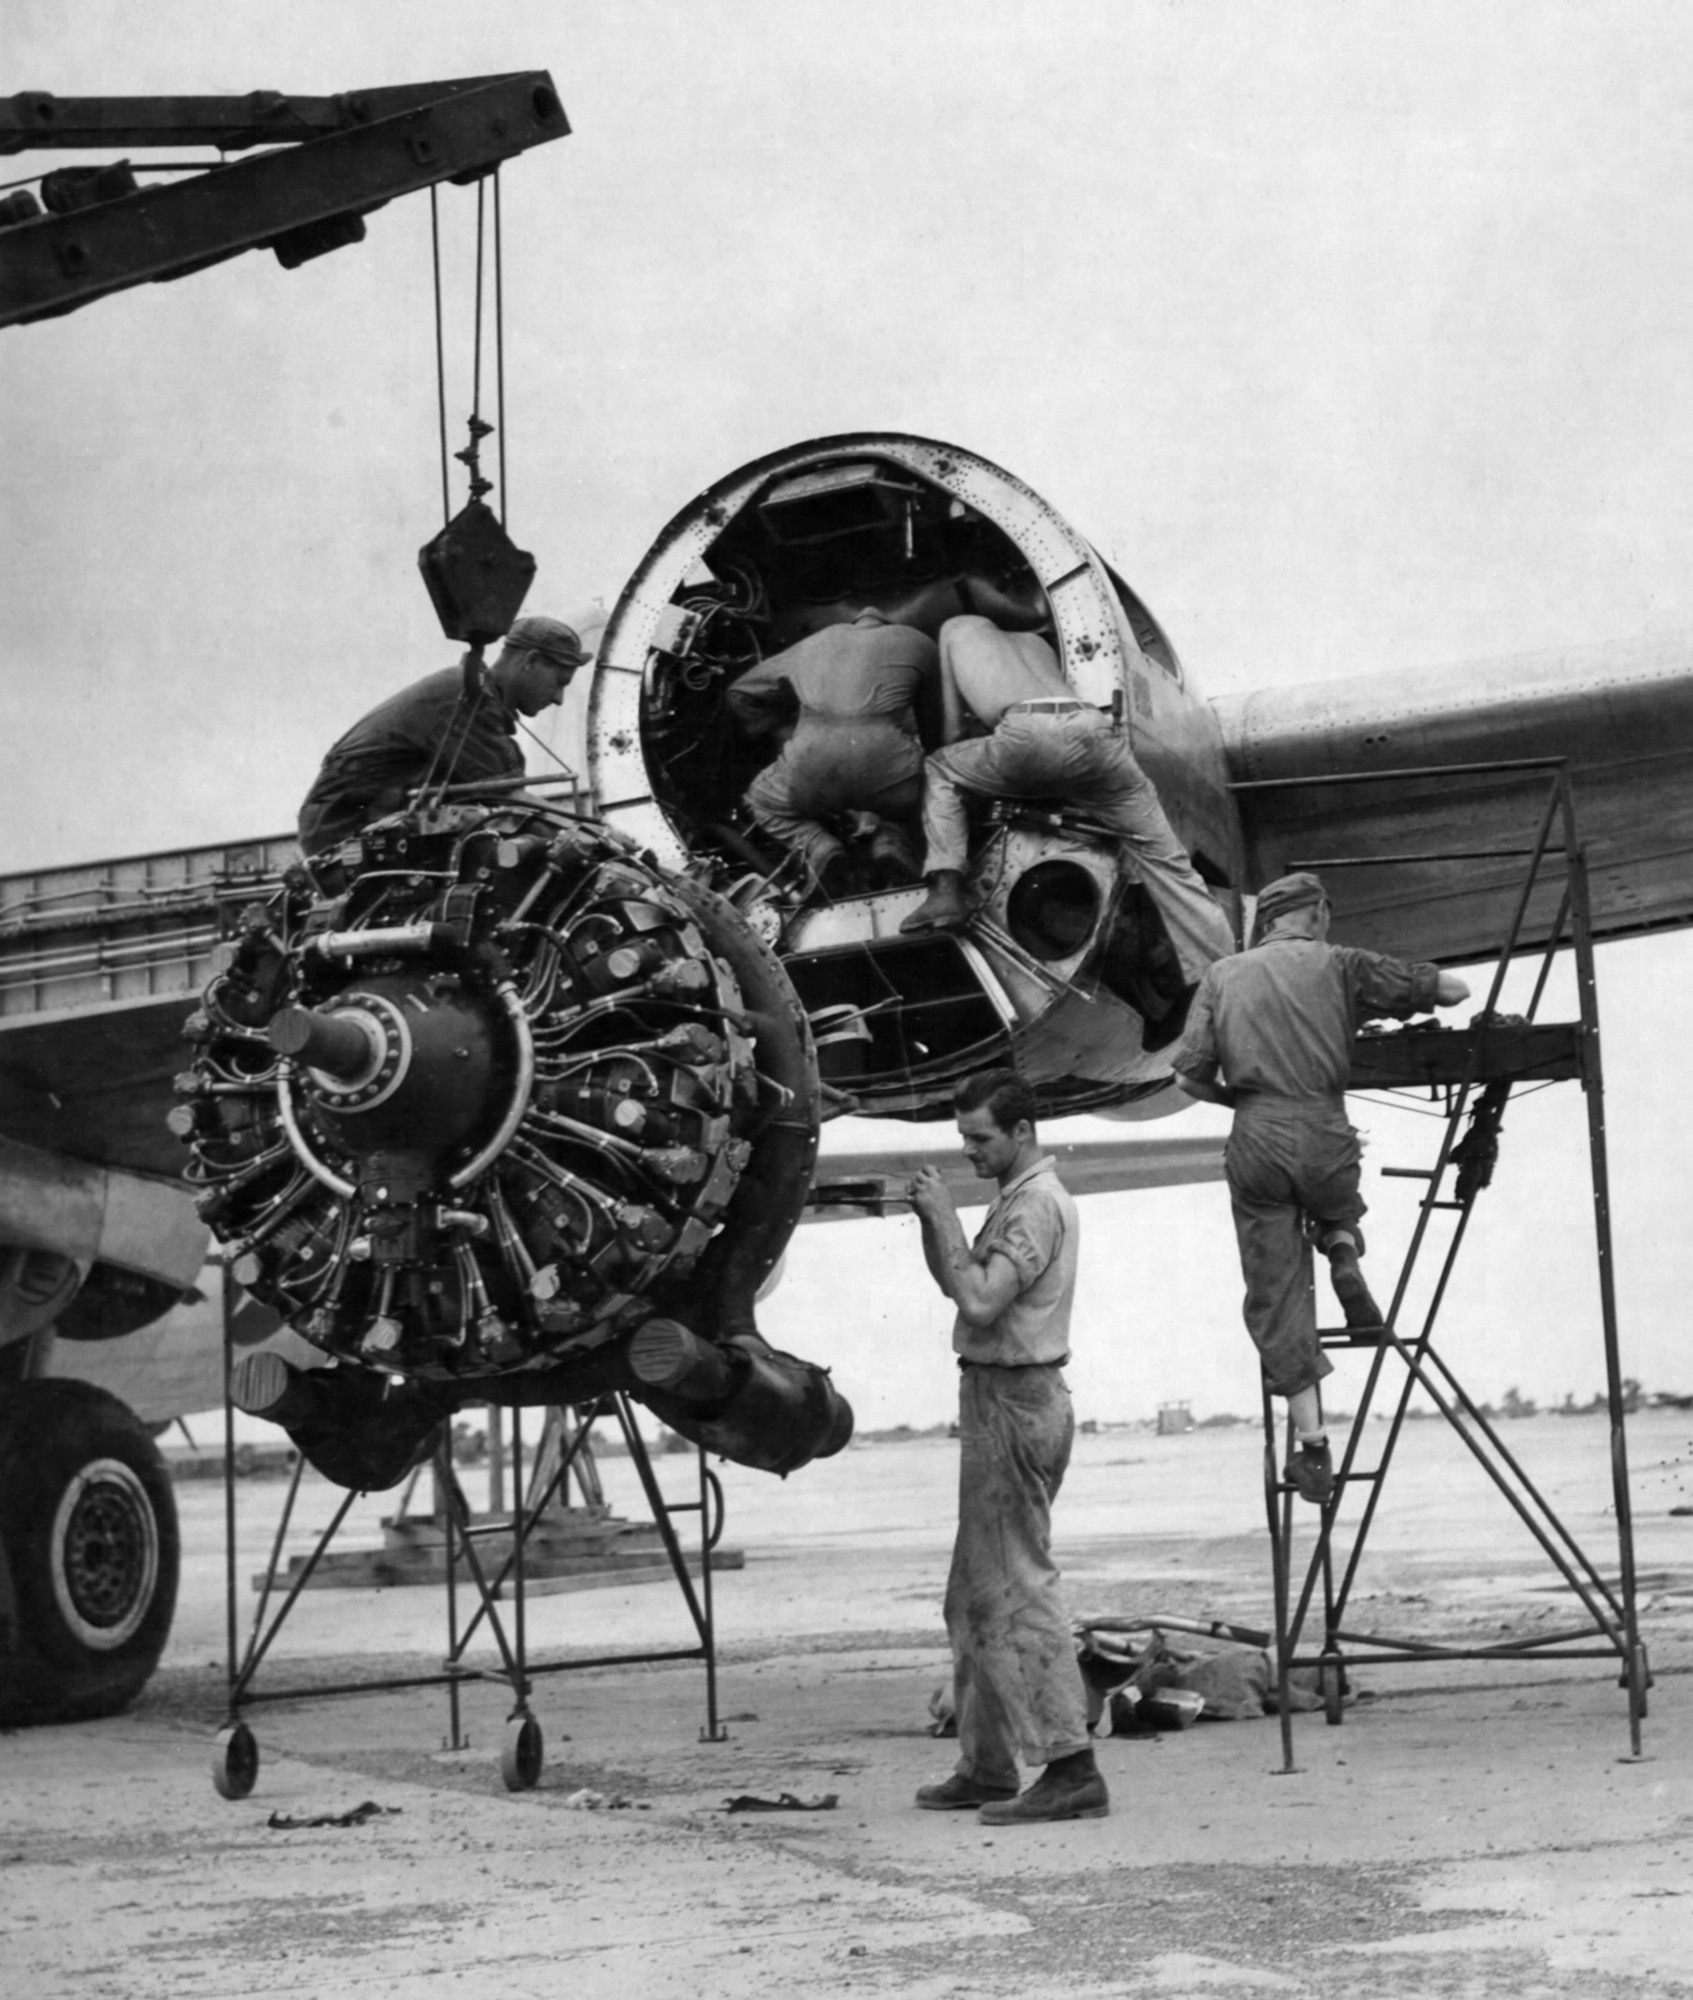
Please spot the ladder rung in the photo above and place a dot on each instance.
(1408, 1173)
(1354, 1336)
(1444, 1204)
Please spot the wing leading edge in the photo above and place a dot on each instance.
(1622, 715)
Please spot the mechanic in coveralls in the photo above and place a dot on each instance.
(844, 700)
(429, 727)
(1044, 742)
(1017, 1686)
(1277, 1022)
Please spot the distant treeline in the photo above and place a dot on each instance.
(1513, 1405)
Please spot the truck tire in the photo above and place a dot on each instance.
(89, 1554)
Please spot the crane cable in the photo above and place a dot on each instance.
(463, 718)
(465, 715)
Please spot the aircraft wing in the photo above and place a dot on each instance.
(100, 965)
(869, 1175)
(95, 1083)
(1621, 714)
(174, 1366)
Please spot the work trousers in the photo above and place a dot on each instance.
(1292, 1168)
(1016, 1683)
(869, 771)
(1074, 755)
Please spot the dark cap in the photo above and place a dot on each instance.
(1287, 893)
(551, 638)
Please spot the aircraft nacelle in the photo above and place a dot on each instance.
(1066, 972)
(87, 1251)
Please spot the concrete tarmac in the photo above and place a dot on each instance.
(1468, 1829)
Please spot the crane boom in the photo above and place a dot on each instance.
(322, 165)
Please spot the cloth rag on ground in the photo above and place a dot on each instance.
(782, 1802)
(354, 1816)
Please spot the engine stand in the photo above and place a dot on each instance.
(497, 1579)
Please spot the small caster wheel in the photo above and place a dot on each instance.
(520, 1754)
(1637, 1678)
(1331, 1676)
(235, 1761)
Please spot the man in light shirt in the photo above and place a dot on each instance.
(1017, 1687)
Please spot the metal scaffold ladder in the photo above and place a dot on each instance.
(1471, 1072)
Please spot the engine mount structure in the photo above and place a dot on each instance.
(515, 1117)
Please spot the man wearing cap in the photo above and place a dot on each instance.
(431, 727)
(1276, 1023)
(843, 703)
(1044, 742)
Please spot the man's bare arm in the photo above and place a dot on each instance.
(932, 1254)
(981, 1291)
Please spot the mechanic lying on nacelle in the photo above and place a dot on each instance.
(1045, 743)
(430, 729)
(843, 702)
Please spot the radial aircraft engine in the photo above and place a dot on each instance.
(517, 1117)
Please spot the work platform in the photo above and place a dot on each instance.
(1466, 1075)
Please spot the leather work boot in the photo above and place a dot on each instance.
(961, 1794)
(944, 908)
(1072, 1788)
(1350, 1285)
(1310, 1472)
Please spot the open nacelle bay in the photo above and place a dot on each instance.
(1066, 971)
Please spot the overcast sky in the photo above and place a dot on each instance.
(1355, 335)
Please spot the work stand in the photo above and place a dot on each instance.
(488, 1556)
(1470, 1074)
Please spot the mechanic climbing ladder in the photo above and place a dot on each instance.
(1471, 1071)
